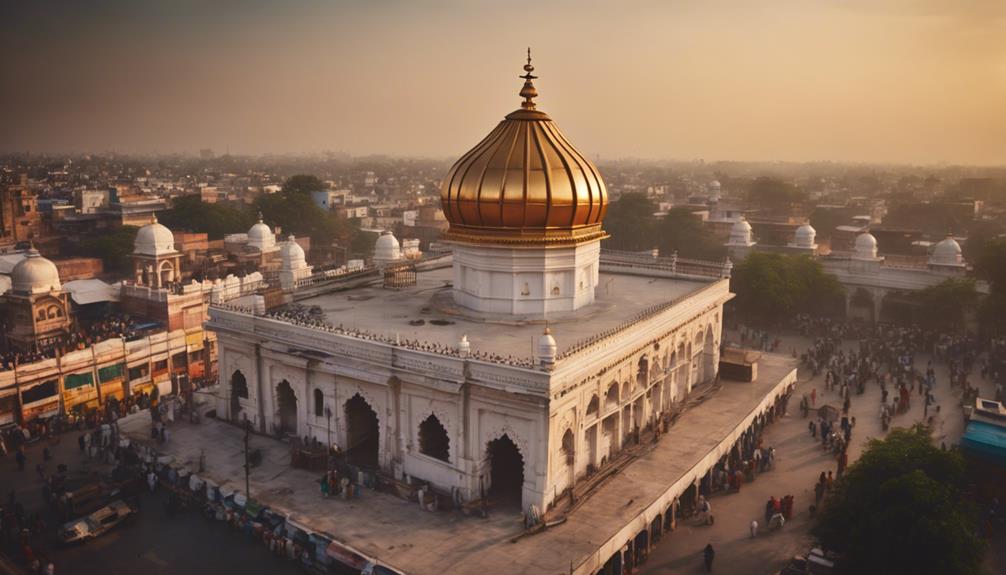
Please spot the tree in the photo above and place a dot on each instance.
(294, 211)
(115, 248)
(947, 302)
(630, 223)
(680, 231)
(991, 266)
(303, 184)
(215, 220)
(901, 509)
(772, 287)
(773, 192)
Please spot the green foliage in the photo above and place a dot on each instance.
(630, 223)
(215, 220)
(773, 192)
(680, 231)
(115, 249)
(900, 510)
(772, 287)
(303, 184)
(295, 212)
(991, 263)
(946, 303)
(991, 266)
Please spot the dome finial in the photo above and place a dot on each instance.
(528, 92)
(260, 216)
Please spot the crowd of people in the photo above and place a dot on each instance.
(80, 337)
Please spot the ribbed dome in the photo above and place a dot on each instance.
(387, 248)
(292, 255)
(261, 237)
(805, 236)
(154, 239)
(524, 183)
(34, 274)
(740, 233)
(947, 253)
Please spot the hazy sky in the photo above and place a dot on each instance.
(916, 81)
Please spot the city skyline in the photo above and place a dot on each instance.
(906, 82)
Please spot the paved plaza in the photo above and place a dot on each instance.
(403, 535)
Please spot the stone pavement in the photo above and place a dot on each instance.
(800, 460)
(401, 534)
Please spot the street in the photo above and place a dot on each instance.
(152, 543)
(800, 459)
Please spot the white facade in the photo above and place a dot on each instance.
(525, 281)
(567, 414)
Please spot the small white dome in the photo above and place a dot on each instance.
(740, 233)
(947, 253)
(387, 248)
(866, 246)
(154, 239)
(547, 348)
(35, 274)
(715, 184)
(463, 346)
(805, 236)
(292, 254)
(260, 236)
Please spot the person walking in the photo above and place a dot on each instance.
(20, 458)
(708, 554)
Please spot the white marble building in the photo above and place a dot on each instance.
(522, 367)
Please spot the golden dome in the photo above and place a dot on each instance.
(524, 184)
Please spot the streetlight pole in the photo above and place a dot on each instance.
(328, 417)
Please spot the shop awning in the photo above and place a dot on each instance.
(91, 291)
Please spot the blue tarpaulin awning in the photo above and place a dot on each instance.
(985, 439)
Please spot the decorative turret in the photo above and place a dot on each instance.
(463, 346)
(547, 350)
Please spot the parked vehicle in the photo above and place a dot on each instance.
(97, 523)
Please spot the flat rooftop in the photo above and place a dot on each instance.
(619, 298)
(416, 541)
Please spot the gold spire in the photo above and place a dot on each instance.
(528, 92)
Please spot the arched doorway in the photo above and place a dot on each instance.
(862, 305)
(506, 471)
(363, 432)
(239, 391)
(286, 409)
(568, 458)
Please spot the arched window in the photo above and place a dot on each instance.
(567, 446)
(319, 403)
(593, 406)
(239, 386)
(611, 398)
(433, 439)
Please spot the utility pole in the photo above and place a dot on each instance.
(328, 416)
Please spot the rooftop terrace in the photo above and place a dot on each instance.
(427, 313)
